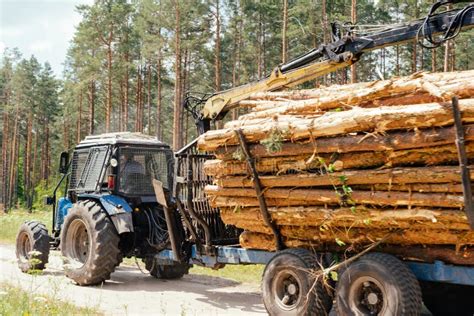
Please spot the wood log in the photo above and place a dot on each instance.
(441, 78)
(361, 160)
(338, 123)
(402, 176)
(398, 140)
(403, 88)
(448, 254)
(222, 197)
(415, 187)
(361, 236)
(416, 219)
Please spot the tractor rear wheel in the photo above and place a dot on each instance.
(89, 244)
(32, 246)
(158, 271)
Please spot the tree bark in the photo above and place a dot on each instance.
(370, 120)
(448, 254)
(231, 197)
(444, 175)
(361, 160)
(397, 140)
(364, 218)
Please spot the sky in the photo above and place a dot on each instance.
(42, 28)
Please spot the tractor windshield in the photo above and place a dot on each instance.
(139, 166)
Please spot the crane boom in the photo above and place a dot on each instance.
(343, 51)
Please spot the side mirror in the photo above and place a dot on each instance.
(49, 200)
(63, 162)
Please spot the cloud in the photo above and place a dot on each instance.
(43, 28)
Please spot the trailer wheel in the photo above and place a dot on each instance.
(32, 246)
(288, 279)
(169, 272)
(378, 284)
(89, 244)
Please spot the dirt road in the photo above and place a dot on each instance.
(130, 292)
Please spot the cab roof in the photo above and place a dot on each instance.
(125, 138)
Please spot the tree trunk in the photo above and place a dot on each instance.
(284, 40)
(443, 175)
(339, 123)
(126, 94)
(231, 197)
(5, 162)
(29, 135)
(177, 132)
(353, 21)
(361, 160)
(398, 140)
(148, 95)
(79, 119)
(217, 52)
(368, 218)
(108, 109)
(91, 96)
(159, 133)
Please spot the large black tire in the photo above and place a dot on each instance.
(378, 284)
(176, 271)
(448, 299)
(288, 286)
(32, 246)
(89, 244)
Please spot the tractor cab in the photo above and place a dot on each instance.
(110, 210)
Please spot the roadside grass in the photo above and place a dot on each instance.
(251, 273)
(10, 222)
(15, 301)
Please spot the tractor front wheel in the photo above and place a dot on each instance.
(89, 244)
(32, 246)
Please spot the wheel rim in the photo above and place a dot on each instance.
(368, 296)
(24, 246)
(287, 290)
(77, 243)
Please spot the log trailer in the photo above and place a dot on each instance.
(127, 196)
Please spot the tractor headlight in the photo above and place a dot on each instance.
(113, 162)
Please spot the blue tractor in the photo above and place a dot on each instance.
(109, 210)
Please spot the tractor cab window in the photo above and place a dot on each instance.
(138, 167)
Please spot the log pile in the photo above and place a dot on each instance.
(345, 166)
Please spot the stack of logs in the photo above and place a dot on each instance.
(345, 166)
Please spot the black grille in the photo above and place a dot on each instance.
(88, 169)
(189, 189)
(138, 166)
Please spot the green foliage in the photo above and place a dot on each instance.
(11, 222)
(274, 141)
(16, 301)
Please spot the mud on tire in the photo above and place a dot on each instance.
(32, 246)
(89, 244)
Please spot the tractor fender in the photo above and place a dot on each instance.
(119, 212)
